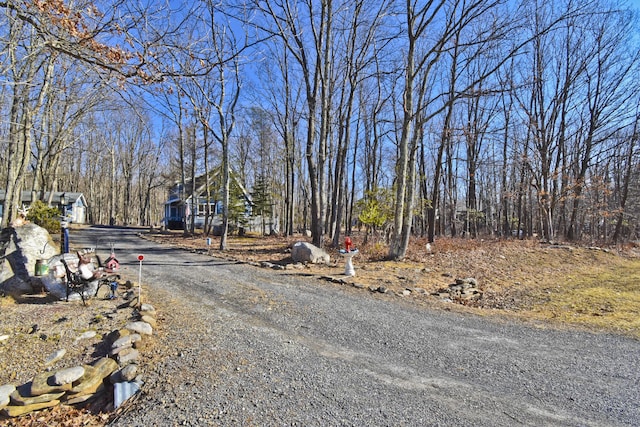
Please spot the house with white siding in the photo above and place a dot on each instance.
(72, 205)
(181, 204)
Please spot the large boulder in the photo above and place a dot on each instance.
(306, 252)
(21, 247)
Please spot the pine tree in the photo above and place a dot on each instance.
(262, 200)
(237, 206)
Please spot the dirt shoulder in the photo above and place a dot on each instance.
(588, 287)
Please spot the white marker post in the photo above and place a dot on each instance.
(140, 258)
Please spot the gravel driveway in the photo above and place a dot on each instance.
(255, 347)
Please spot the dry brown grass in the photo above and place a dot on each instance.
(593, 288)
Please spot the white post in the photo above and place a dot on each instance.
(349, 270)
(140, 258)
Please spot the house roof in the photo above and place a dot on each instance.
(200, 186)
(27, 197)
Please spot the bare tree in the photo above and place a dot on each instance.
(25, 60)
(432, 29)
(221, 99)
(284, 95)
(547, 148)
(610, 96)
(359, 51)
(311, 52)
(627, 165)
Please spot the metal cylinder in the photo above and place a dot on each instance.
(42, 267)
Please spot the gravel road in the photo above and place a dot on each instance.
(255, 347)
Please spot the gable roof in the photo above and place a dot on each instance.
(200, 185)
(27, 197)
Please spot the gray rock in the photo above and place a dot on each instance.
(93, 376)
(55, 356)
(67, 376)
(126, 340)
(42, 384)
(129, 372)
(75, 400)
(16, 285)
(142, 328)
(306, 252)
(86, 335)
(19, 399)
(467, 282)
(25, 245)
(150, 320)
(146, 307)
(17, 410)
(118, 350)
(128, 355)
(5, 392)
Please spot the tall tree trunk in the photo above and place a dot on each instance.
(226, 180)
(21, 118)
(626, 182)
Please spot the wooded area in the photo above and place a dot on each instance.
(442, 117)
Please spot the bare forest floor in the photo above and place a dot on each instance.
(560, 285)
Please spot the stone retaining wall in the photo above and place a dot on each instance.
(113, 375)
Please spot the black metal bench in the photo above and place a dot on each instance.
(76, 283)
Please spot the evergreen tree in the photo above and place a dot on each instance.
(262, 203)
(237, 206)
